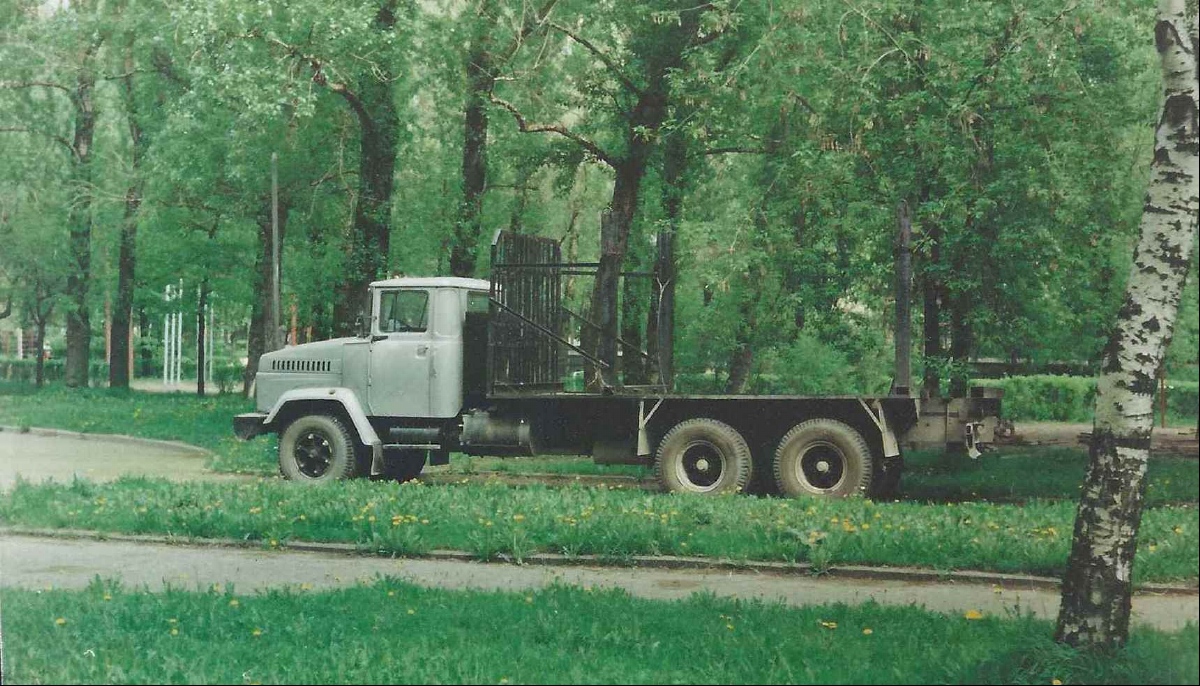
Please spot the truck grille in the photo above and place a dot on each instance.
(301, 365)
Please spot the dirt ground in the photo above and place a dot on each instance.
(1163, 441)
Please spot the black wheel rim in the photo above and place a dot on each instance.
(700, 466)
(313, 454)
(822, 466)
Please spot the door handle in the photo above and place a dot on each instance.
(422, 350)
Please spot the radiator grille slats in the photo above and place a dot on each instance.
(302, 365)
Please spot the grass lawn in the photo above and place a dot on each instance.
(490, 520)
(391, 632)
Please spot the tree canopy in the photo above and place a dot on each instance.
(772, 143)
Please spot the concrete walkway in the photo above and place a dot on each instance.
(62, 455)
(43, 563)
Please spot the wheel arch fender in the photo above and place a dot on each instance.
(343, 397)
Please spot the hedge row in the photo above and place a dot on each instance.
(1073, 398)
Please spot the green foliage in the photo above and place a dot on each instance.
(390, 631)
(1072, 398)
(1018, 136)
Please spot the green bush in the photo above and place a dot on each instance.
(1073, 398)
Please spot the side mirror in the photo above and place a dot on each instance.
(360, 326)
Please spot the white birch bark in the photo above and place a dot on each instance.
(1096, 589)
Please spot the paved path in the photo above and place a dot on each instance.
(40, 563)
(61, 456)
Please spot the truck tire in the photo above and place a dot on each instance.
(823, 457)
(316, 449)
(402, 465)
(703, 456)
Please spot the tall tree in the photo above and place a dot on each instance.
(72, 73)
(484, 62)
(1096, 589)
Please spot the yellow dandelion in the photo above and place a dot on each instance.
(234, 603)
(518, 518)
(107, 596)
(60, 621)
(1056, 682)
(973, 614)
(868, 631)
(829, 625)
(729, 626)
(256, 632)
(174, 631)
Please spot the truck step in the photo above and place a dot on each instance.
(413, 446)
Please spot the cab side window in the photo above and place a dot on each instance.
(403, 311)
(477, 303)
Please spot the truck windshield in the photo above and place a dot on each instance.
(403, 311)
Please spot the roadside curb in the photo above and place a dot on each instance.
(107, 438)
(857, 572)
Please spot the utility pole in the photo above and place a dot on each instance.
(273, 342)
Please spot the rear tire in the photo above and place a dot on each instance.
(823, 457)
(317, 449)
(703, 456)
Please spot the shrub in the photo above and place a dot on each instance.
(1073, 398)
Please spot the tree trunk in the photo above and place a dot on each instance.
(369, 242)
(40, 365)
(79, 325)
(660, 321)
(146, 353)
(962, 343)
(118, 361)
(902, 380)
(256, 341)
(740, 364)
(481, 78)
(1096, 589)
(201, 330)
(931, 290)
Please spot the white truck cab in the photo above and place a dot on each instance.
(408, 366)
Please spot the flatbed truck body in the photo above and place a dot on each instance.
(473, 366)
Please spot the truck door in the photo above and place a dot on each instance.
(401, 351)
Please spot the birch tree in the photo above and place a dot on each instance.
(1096, 590)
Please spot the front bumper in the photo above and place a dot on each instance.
(249, 425)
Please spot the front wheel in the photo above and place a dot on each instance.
(703, 456)
(315, 449)
(823, 457)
